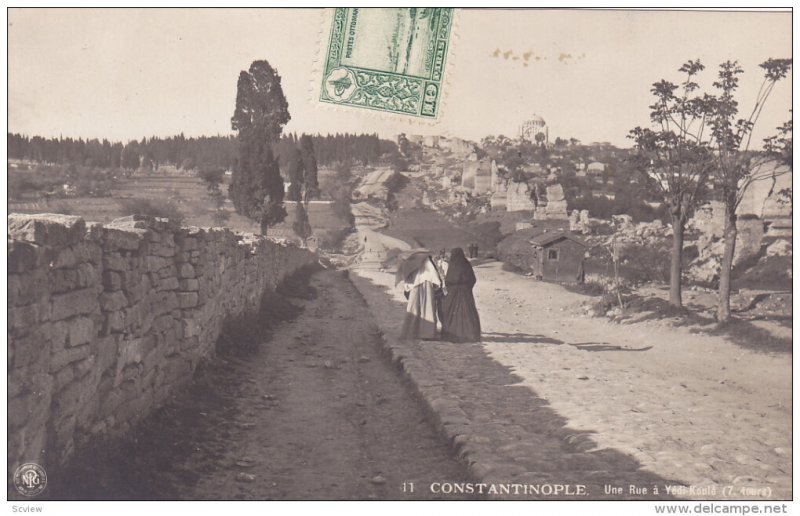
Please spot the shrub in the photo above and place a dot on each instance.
(164, 209)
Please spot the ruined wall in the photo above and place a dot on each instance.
(105, 322)
(518, 197)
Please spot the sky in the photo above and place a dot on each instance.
(123, 74)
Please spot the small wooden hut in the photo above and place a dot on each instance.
(558, 256)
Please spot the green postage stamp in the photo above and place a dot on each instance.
(390, 60)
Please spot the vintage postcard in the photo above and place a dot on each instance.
(400, 254)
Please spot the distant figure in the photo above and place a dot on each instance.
(421, 314)
(461, 322)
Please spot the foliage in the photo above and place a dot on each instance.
(164, 209)
(301, 225)
(61, 181)
(211, 175)
(310, 177)
(294, 173)
(735, 168)
(261, 112)
(675, 159)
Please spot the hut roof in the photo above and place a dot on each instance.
(545, 239)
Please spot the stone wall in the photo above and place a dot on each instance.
(105, 322)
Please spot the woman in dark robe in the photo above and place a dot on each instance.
(461, 322)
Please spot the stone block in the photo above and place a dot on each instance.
(168, 303)
(155, 263)
(67, 356)
(88, 252)
(78, 302)
(169, 283)
(24, 256)
(163, 323)
(112, 280)
(114, 322)
(169, 271)
(63, 258)
(163, 250)
(188, 244)
(133, 351)
(22, 319)
(186, 270)
(85, 366)
(129, 239)
(114, 262)
(189, 285)
(113, 301)
(106, 352)
(49, 229)
(80, 330)
(187, 299)
(63, 377)
(191, 327)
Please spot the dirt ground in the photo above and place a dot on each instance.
(315, 412)
(699, 408)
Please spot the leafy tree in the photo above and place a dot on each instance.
(301, 225)
(735, 167)
(260, 114)
(294, 171)
(310, 178)
(539, 138)
(404, 145)
(676, 161)
(212, 176)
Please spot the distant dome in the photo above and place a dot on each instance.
(537, 119)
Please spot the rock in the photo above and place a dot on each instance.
(246, 462)
(46, 229)
(245, 477)
(780, 248)
(378, 480)
(363, 359)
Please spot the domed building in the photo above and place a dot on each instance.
(533, 127)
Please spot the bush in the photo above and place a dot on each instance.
(164, 209)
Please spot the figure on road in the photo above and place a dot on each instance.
(421, 314)
(461, 321)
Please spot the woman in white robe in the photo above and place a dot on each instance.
(421, 314)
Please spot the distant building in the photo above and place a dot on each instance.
(595, 167)
(460, 148)
(431, 141)
(533, 127)
(558, 256)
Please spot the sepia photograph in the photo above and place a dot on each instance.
(400, 254)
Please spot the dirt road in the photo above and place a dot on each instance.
(316, 412)
(697, 409)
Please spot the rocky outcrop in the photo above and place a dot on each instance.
(518, 197)
(556, 203)
(106, 322)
